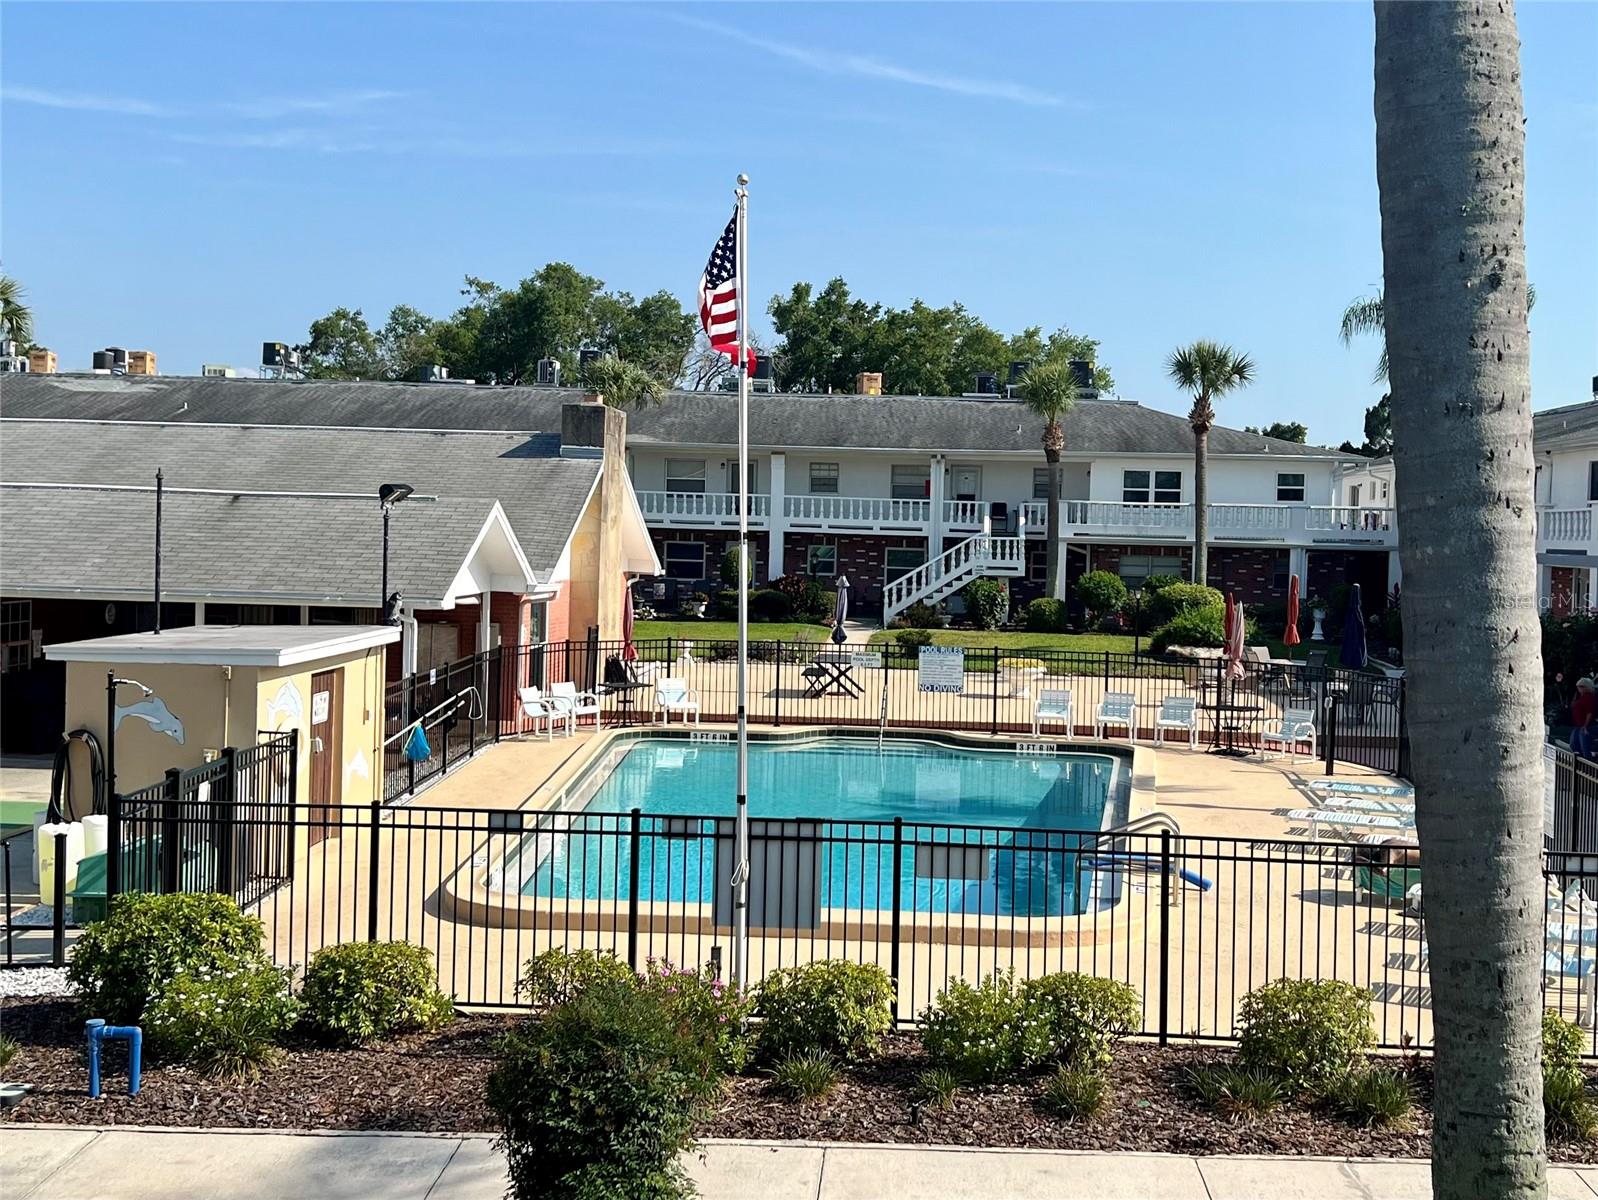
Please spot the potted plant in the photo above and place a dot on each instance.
(1317, 609)
(696, 604)
(1021, 674)
(11, 1094)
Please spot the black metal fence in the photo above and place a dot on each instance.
(1192, 923)
(1574, 824)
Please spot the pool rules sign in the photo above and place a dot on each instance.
(941, 669)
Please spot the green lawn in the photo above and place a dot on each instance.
(714, 631)
(1020, 643)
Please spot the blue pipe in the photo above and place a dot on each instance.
(98, 1032)
(1192, 877)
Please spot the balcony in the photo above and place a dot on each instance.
(1565, 531)
(1265, 524)
(966, 516)
(699, 510)
(865, 514)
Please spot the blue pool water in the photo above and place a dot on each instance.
(986, 831)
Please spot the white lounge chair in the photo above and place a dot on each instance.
(1179, 713)
(673, 695)
(578, 704)
(540, 708)
(1053, 705)
(1292, 729)
(1117, 708)
(1343, 819)
(1370, 804)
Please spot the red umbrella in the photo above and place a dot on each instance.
(628, 650)
(1290, 634)
(1233, 652)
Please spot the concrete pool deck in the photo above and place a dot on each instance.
(77, 1163)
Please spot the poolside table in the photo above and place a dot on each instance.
(1229, 720)
(626, 698)
(831, 674)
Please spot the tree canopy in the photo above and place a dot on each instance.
(1283, 431)
(1378, 431)
(829, 336)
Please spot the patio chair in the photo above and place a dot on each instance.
(546, 710)
(579, 704)
(1179, 713)
(1053, 705)
(673, 695)
(1388, 884)
(1117, 708)
(1293, 728)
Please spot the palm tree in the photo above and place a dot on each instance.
(1365, 315)
(16, 318)
(622, 384)
(1450, 153)
(1049, 390)
(1209, 370)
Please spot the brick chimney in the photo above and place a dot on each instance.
(868, 383)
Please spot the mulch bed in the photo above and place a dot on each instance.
(435, 1082)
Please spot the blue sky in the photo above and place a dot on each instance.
(197, 179)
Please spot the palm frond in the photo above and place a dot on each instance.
(1365, 315)
(1049, 390)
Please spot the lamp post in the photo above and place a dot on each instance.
(1137, 621)
(388, 495)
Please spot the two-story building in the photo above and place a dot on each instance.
(1565, 441)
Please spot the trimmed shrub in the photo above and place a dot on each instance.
(1306, 1032)
(726, 604)
(227, 1023)
(987, 602)
(122, 963)
(826, 604)
(1196, 627)
(1236, 1091)
(1563, 1042)
(806, 1076)
(769, 604)
(363, 990)
(1075, 1019)
(1165, 603)
(938, 1086)
(728, 571)
(1046, 615)
(598, 1097)
(559, 976)
(1568, 1108)
(1155, 583)
(831, 1007)
(1101, 592)
(1379, 1098)
(977, 1031)
(913, 639)
(919, 615)
(1076, 1093)
(718, 1011)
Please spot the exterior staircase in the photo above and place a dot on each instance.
(952, 570)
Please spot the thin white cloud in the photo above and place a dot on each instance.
(270, 107)
(866, 67)
(373, 141)
(84, 102)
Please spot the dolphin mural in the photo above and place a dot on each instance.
(152, 710)
(286, 703)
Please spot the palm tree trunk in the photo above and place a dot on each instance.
(1201, 507)
(1055, 572)
(1449, 159)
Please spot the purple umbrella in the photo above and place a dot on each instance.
(1353, 655)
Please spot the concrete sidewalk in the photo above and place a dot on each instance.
(73, 1163)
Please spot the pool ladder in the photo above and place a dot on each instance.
(1145, 822)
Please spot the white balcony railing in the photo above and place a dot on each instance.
(856, 512)
(1566, 528)
(964, 514)
(700, 508)
(1089, 514)
(1365, 520)
(1250, 520)
(1036, 514)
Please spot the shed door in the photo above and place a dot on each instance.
(326, 754)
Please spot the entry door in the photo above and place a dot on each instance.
(967, 482)
(326, 755)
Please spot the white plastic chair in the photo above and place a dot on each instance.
(674, 695)
(1053, 705)
(1117, 708)
(1293, 727)
(578, 704)
(1179, 713)
(537, 707)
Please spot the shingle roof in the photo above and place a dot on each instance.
(1576, 422)
(542, 494)
(101, 542)
(686, 418)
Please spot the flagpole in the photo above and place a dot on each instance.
(740, 872)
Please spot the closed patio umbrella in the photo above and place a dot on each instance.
(1233, 652)
(1290, 634)
(840, 612)
(628, 650)
(1353, 655)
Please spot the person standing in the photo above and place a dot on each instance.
(1583, 712)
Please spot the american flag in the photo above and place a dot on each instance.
(718, 296)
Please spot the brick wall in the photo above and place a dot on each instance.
(1250, 573)
(859, 557)
(716, 543)
(557, 617)
(1329, 568)
(1108, 558)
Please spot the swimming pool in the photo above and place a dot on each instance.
(979, 830)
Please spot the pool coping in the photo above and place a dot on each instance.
(467, 895)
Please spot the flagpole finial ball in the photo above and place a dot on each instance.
(743, 181)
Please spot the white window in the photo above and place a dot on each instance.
(1592, 481)
(1040, 483)
(1135, 487)
(898, 560)
(1167, 487)
(1037, 564)
(1353, 495)
(821, 559)
(685, 560)
(1135, 569)
(911, 481)
(16, 634)
(823, 479)
(685, 475)
(1290, 487)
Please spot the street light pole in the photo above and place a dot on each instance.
(388, 495)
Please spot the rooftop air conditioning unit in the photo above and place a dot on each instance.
(584, 357)
(548, 372)
(987, 383)
(103, 360)
(273, 354)
(1082, 376)
(435, 373)
(1018, 369)
(217, 371)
